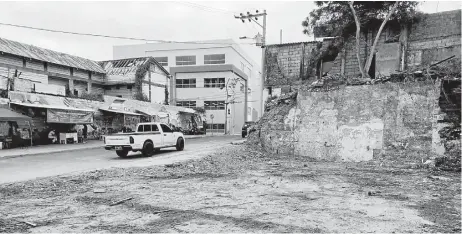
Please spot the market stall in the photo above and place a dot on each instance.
(7, 130)
(61, 120)
(115, 120)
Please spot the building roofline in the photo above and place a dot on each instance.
(209, 68)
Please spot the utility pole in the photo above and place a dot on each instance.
(261, 41)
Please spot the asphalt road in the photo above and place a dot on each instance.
(36, 166)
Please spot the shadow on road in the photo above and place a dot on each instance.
(138, 155)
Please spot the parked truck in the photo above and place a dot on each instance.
(148, 138)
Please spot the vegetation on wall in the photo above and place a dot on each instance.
(166, 96)
(139, 77)
(93, 96)
(346, 19)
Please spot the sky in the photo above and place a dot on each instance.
(159, 20)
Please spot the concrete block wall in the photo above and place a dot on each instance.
(436, 36)
(287, 63)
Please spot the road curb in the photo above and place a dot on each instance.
(49, 152)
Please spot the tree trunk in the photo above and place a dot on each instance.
(377, 37)
(358, 35)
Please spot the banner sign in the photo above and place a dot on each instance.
(71, 117)
(50, 88)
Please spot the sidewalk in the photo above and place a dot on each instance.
(47, 149)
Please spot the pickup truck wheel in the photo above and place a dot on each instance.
(180, 144)
(148, 149)
(122, 153)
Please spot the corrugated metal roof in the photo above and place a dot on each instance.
(122, 66)
(128, 65)
(34, 52)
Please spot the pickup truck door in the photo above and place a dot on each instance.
(169, 138)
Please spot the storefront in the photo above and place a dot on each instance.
(11, 135)
(117, 120)
(60, 119)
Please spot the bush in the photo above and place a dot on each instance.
(93, 96)
(141, 97)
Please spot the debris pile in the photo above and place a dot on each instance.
(287, 98)
(446, 69)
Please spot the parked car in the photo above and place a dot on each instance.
(247, 128)
(148, 138)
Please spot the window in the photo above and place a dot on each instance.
(186, 103)
(140, 128)
(155, 128)
(147, 128)
(117, 87)
(185, 60)
(214, 105)
(216, 127)
(214, 82)
(186, 83)
(165, 128)
(129, 86)
(162, 61)
(120, 96)
(214, 59)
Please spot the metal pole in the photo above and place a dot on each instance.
(263, 62)
(226, 115)
(280, 37)
(30, 132)
(212, 126)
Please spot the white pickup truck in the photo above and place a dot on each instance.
(148, 138)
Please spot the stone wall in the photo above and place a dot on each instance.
(354, 123)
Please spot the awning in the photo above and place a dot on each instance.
(119, 111)
(51, 107)
(9, 115)
(153, 113)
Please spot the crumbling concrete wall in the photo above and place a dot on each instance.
(356, 123)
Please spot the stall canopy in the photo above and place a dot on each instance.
(153, 113)
(63, 114)
(9, 115)
(118, 111)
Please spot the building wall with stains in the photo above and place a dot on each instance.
(356, 123)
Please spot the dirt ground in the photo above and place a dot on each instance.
(239, 189)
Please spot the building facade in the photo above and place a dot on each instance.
(201, 72)
(126, 78)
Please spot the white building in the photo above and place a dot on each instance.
(209, 74)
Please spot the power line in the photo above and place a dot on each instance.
(205, 8)
(115, 37)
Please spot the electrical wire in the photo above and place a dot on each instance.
(117, 37)
(206, 8)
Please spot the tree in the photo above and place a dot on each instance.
(345, 19)
(358, 35)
